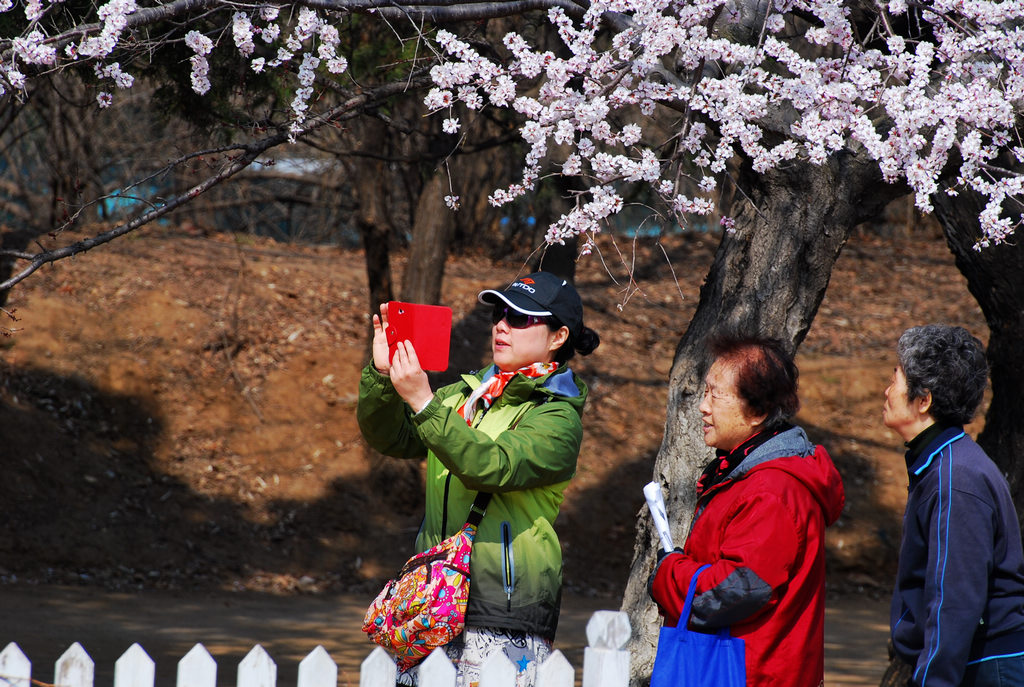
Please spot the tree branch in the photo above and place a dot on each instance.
(420, 10)
(248, 154)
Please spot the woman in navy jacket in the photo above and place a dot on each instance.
(958, 606)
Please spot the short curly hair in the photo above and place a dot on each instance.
(948, 362)
(766, 376)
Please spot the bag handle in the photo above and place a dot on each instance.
(690, 592)
(476, 511)
(684, 618)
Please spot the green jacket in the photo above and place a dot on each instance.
(523, 450)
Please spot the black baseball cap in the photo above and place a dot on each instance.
(541, 294)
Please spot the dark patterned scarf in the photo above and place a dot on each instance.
(718, 470)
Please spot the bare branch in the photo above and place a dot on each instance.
(247, 154)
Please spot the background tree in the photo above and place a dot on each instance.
(994, 277)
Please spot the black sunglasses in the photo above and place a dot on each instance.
(516, 319)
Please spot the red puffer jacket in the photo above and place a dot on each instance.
(762, 530)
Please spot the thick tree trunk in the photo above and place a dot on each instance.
(375, 231)
(432, 231)
(995, 277)
(397, 481)
(768, 277)
(560, 259)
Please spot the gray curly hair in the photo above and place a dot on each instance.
(950, 363)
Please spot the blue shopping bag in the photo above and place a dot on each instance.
(694, 659)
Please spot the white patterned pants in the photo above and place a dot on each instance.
(474, 646)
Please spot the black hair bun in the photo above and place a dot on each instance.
(587, 341)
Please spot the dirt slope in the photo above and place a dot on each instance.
(178, 411)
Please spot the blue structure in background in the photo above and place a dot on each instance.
(633, 224)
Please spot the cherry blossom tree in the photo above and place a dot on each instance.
(925, 90)
(814, 112)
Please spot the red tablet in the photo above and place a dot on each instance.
(428, 327)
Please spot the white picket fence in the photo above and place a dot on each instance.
(605, 664)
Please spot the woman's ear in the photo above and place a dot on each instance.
(923, 404)
(757, 420)
(560, 336)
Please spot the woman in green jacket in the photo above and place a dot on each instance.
(512, 429)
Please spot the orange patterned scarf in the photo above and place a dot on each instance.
(491, 388)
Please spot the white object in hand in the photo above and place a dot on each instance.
(656, 504)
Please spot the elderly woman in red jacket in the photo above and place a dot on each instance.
(763, 504)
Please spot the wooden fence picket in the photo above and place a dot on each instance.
(15, 668)
(378, 669)
(134, 669)
(257, 669)
(556, 671)
(605, 660)
(197, 668)
(74, 668)
(498, 671)
(318, 669)
(436, 670)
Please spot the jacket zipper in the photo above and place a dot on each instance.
(508, 572)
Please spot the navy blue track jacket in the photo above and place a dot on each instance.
(959, 594)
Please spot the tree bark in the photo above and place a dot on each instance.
(375, 231)
(558, 258)
(431, 238)
(768, 277)
(995, 277)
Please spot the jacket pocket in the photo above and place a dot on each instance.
(508, 568)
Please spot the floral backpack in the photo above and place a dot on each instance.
(424, 606)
